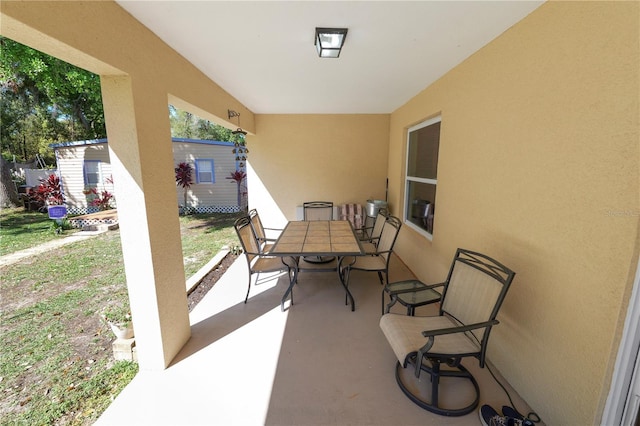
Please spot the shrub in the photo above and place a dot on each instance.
(184, 179)
(99, 199)
(48, 193)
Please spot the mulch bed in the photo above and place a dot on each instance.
(209, 281)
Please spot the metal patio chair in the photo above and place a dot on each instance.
(377, 261)
(371, 234)
(264, 243)
(436, 345)
(318, 210)
(257, 261)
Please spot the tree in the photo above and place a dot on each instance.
(186, 125)
(45, 100)
(8, 192)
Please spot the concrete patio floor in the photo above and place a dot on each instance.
(318, 363)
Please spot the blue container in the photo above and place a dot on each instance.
(57, 212)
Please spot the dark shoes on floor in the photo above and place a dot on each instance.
(509, 417)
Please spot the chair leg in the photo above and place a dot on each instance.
(248, 289)
(409, 385)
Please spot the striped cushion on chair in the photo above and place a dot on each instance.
(352, 213)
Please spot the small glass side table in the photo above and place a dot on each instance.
(411, 294)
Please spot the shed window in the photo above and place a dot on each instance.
(421, 179)
(204, 171)
(92, 173)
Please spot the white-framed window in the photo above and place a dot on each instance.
(204, 171)
(92, 175)
(421, 175)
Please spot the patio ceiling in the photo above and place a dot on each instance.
(262, 52)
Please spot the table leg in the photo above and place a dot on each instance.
(346, 288)
(292, 282)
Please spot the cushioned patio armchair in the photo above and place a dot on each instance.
(436, 345)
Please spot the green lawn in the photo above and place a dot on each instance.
(56, 362)
(20, 229)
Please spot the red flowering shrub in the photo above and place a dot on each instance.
(238, 177)
(101, 200)
(184, 179)
(48, 193)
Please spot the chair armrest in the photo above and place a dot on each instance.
(451, 330)
(412, 290)
(366, 233)
(372, 253)
(264, 239)
(460, 329)
(256, 254)
(372, 240)
(272, 231)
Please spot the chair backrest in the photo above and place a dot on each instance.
(352, 213)
(256, 223)
(388, 237)
(247, 237)
(474, 291)
(318, 210)
(381, 218)
(258, 229)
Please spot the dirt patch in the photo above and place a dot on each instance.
(209, 281)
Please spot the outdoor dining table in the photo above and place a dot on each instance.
(318, 238)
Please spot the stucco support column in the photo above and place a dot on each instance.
(140, 149)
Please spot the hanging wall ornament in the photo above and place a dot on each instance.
(240, 145)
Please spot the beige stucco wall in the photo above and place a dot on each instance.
(539, 167)
(298, 158)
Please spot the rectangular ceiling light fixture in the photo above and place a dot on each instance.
(329, 41)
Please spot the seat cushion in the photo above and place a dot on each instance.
(404, 334)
